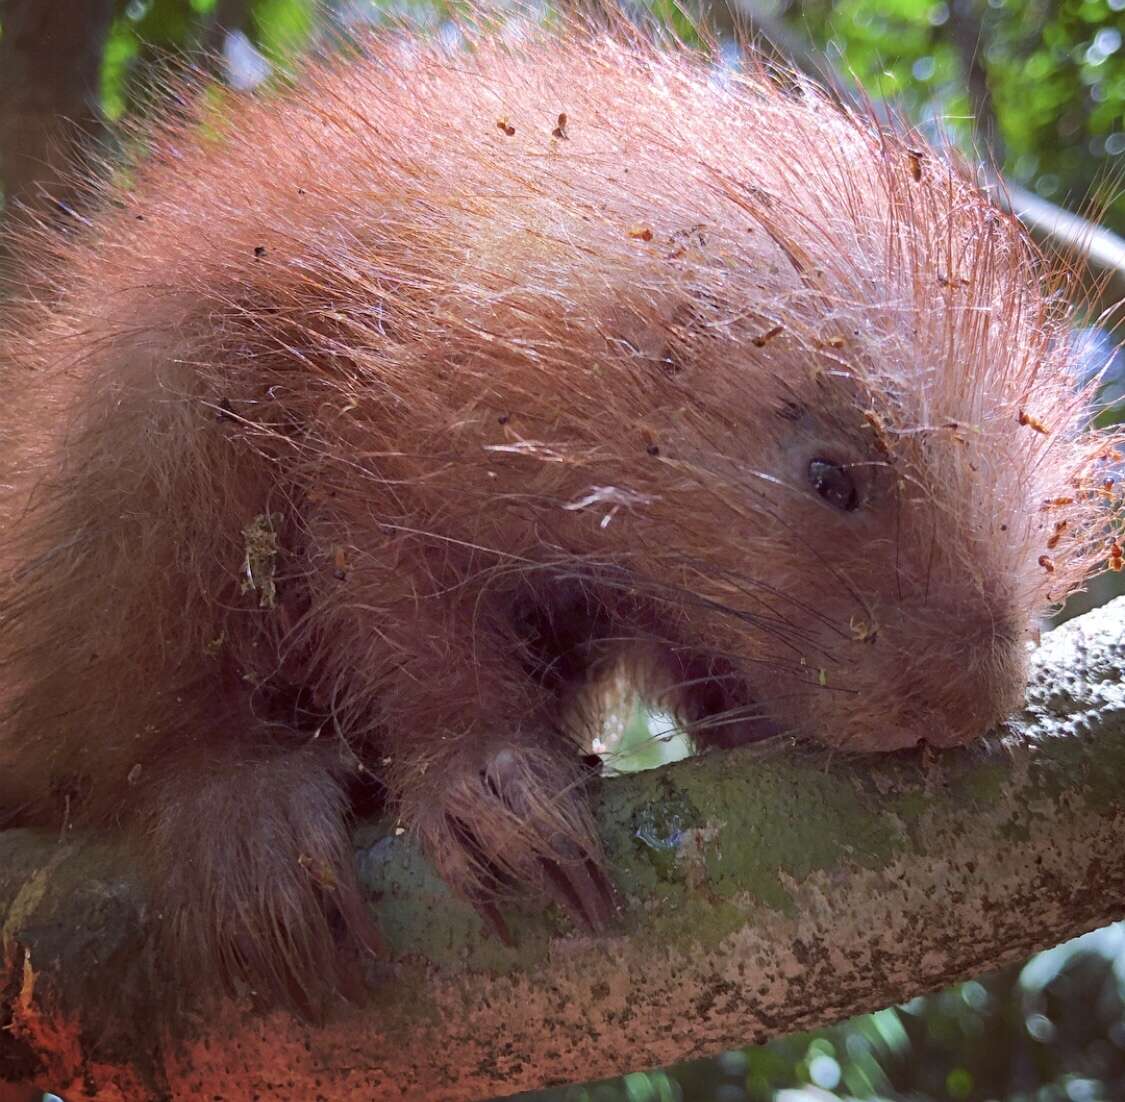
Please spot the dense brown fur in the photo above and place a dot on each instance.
(370, 423)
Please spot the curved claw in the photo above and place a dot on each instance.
(579, 888)
(495, 921)
(585, 892)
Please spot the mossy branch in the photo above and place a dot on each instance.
(762, 894)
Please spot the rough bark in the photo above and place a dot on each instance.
(762, 894)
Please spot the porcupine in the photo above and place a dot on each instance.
(361, 428)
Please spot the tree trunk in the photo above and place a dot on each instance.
(967, 35)
(763, 893)
(50, 72)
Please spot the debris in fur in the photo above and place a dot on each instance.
(259, 562)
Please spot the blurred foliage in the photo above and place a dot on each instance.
(143, 29)
(1053, 1030)
(147, 34)
(1055, 70)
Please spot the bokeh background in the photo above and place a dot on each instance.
(1033, 91)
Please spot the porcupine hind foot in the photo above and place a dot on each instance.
(251, 854)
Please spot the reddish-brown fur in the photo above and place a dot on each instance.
(368, 424)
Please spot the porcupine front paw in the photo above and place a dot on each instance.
(253, 877)
(515, 820)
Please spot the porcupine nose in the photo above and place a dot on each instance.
(940, 674)
(964, 688)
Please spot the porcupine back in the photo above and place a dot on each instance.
(445, 322)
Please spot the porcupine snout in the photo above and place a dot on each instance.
(943, 675)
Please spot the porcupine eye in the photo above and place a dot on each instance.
(834, 484)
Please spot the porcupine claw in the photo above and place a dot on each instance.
(585, 892)
(581, 889)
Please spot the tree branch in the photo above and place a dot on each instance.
(762, 894)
